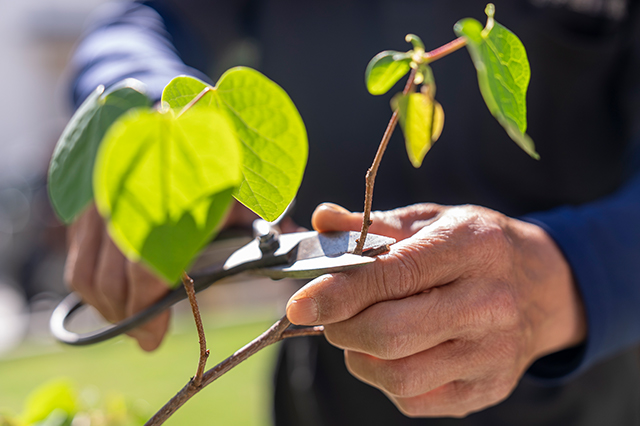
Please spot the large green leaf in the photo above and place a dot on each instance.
(385, 69)
(270, 129)
(503, 76)
(421, 119)
(164, 184)
(72, 163)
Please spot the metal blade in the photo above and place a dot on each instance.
(314, 267)
(309, 254)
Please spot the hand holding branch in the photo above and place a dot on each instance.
(446, 323)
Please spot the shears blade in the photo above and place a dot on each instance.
(308, 254)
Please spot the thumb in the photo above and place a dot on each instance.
(399, 223)
(332, 217)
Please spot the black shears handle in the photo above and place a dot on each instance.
(72, 303)
(295, 255)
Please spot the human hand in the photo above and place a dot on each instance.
(447, 322)
(99, 272)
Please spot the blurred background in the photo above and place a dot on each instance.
(38, 37)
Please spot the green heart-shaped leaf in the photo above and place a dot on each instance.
(421, 119)
(503, 76)
(385, 69)
(72, 163)
(270, 129)
(164, 184)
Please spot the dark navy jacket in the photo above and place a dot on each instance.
(584, 115)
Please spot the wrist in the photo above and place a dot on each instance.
(554, 310)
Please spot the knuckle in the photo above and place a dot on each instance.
(496, 309)
(400, 276)
(330, 334)
(483, 235)
(500, 390)
(461, 413)
(502, 310)
(505, 308)
(399, 380)
(492, 242)
(409, 407)
(390, 341)
(464, 393)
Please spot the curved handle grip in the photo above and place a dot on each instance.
(70, 305)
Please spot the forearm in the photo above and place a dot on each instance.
(126, 40)
(601, 242)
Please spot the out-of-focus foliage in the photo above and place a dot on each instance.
(60, 403)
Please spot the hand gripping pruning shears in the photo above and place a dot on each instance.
(295, 255)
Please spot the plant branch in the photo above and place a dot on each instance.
(278, 331)
(302, 332)
(445, 50)
(370, 179)
(204, 352)
(373, 170)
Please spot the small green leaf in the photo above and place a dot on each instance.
(503, 75)
(270, 129)
(164, 184)
(57, 396)
(385, 69)
(72, 163)
(421, 119)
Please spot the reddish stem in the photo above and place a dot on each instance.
(370, 179)
(204, 353)
(445, 50)
(275, 333)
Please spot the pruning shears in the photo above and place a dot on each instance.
(272, 254)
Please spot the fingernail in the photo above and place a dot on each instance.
(333, 207)
(303, 311)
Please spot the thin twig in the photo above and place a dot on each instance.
(446, 49)
(204, 352)
(318, 330)
(373, 170)
(370, 179)
(278, 331)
